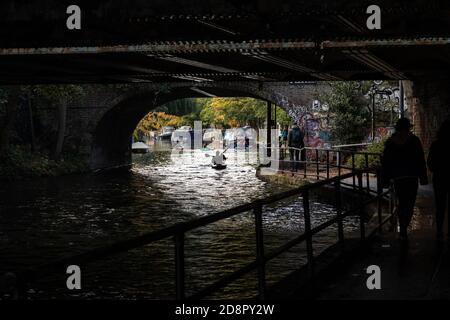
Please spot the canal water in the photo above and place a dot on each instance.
(46, 219)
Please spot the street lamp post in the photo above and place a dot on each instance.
(374, 90)
(402, 99)
(373, 117)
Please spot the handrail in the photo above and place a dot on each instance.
(318, 154)
(182, 227)
(325, 149)
(178, 231)
(351, 145)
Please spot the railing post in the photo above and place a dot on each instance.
(309, 245)
(392, 205)
(359, 176)
(269, 128)
(260, 251)
(353, 170)
(328, 164)
(361, 213)
(339, 162)
(306, 161)
(379, 204)
(179, 266)
(317, 164)
(366, 159)
(337, 188)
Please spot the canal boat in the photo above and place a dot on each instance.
(239, 137)
(166, 134)
(139, 147)
(183, 137)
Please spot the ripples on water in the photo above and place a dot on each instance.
(50, 218)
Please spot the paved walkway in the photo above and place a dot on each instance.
(419, 271)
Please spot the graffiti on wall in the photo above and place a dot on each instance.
(317, 131)
(313, 119)
(380, 133)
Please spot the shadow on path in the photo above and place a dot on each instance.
(416, 271)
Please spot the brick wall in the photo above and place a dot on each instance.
(100, 123)
(428, 102)
(114, 114)
(429, 105)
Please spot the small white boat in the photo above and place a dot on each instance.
(183, 137)
(166, 133)
(139, 147)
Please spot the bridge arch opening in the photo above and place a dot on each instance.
(111, 146)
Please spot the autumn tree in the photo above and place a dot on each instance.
(155, 121)
(233, 112)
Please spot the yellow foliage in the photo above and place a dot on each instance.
(157, 120)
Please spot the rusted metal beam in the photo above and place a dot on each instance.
(229, 46)
(118, 65)
(375, 63)
(217, 27)
(349, 23)
(290, 65)
(399, 42)
(203, 92)
(208, 66)
(192, 78)
(194, 63)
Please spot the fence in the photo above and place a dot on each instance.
(323, 161)
(178, 231)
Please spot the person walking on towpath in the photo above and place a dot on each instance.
(439, 165)
(295, 143)
(403, 162)
(283, 141)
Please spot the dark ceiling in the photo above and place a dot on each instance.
(222, 40)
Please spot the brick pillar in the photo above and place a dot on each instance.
(428, 104)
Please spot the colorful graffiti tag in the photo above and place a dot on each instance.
(317, 131)
(380, 133)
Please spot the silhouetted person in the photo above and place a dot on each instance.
(284, 135)
(295, 142)
(403, 162)
(283, 140)
(438, 163)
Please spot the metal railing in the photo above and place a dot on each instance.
(178, 232)
(324, 160)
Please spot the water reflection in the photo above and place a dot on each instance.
(46, 219)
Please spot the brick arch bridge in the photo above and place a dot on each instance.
(103, 120)
(100, 124)
(153, 44)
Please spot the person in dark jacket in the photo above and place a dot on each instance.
(439, 164)
(283, 141)
(403, 163)
(295, 143)
(284, 135)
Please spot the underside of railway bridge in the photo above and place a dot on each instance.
(281, 51)
(133, 56)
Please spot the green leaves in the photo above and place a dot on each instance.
(19, 162)
(348, 108)
(155, 121)
(234, 112)
(374, 161)
(57, 93)
(219, 112)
